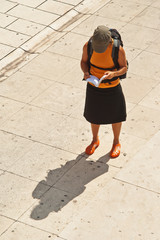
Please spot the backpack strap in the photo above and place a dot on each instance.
(89, 52)
(115, 52)
(109, 69)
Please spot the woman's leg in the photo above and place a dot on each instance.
(95, 142)
(95, 130)
(116, 148)
(116, 127)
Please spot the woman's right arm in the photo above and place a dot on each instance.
(84, 62)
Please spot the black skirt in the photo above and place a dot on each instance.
(104, 105)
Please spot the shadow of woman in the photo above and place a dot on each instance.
(66, 183)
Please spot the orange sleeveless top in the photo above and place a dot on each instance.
(103, 60)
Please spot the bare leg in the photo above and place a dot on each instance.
(95, 130)
(116, 127)
(95, 143)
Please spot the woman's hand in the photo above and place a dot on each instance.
(109, 75)
(86, 75)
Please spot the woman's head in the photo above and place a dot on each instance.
(101, 39)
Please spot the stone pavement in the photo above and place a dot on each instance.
(26, 25)
(49, 188)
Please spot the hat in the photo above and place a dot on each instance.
(101, 39)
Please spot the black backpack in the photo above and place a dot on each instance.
(117, 41)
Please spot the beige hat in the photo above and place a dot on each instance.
(101, 39)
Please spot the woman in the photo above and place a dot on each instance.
(105, 104)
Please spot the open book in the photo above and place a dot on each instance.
(96, 81)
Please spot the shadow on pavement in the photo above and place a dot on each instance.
(73, 176)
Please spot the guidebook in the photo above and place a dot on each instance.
(96, 81)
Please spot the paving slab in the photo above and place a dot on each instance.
(31, 14)
(145, 2)
(142, 65)
(131, 53)
(18, 87)
(75, 131)
(129, 106)
(53, 98)
(125, 11)
(146, 166)
(5, 223)
(138, 36)
(73, 77)
(12, 38)
(25, 27)
(156, 4)
(55, 7)
(17, 59)
(142, 122)
(5, 50)
(136, 87)
(90, 7)
(37, 43)
(73, 2)
(44, 164)
(148, 18)
(6, 20)
(98, 6)
(70, 45)
(20, 230)
(80, 18)
(154, 46)
(77, 113)
(6, 6)
(52, 66)
(65, 20)
(12, 149)
(8, 108)
(152, 100)
(33, 122)
(16, 195)
(49, 213)
(33, 3)
(119, 211)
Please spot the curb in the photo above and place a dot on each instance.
(36, 43)
(48, 36)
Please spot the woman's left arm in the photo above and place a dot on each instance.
(122, 64)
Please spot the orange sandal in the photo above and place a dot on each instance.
(115, 151)
(92, 147)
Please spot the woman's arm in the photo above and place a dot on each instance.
(122, 64)
(84, 62)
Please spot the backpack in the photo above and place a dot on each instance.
(117, 41)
